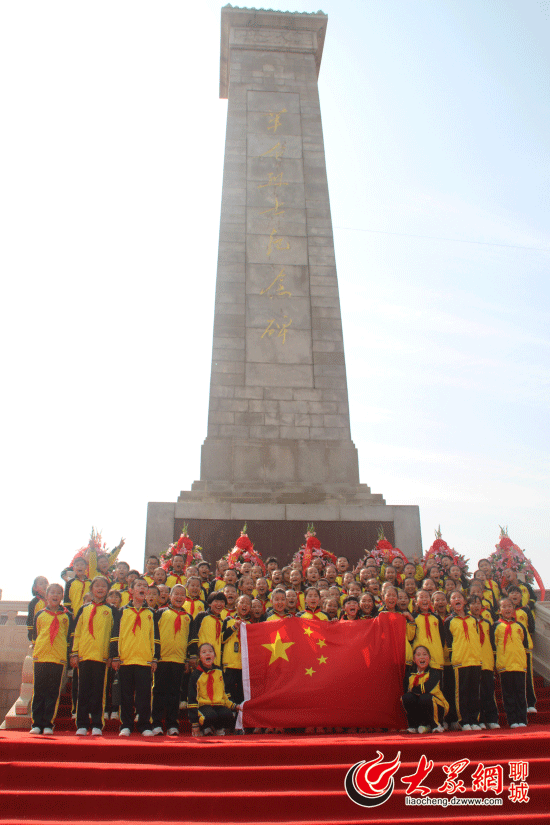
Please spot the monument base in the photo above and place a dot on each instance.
(278, 528)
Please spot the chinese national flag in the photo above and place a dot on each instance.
(299, 673)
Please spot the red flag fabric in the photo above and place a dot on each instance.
(299, 673)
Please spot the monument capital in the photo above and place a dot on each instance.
(268, 30)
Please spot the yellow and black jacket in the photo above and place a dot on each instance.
(135, 638)
(75, 590)
(311, 615)
(207, 628)
(509, 640)
(51, 633)
(92, 632)
(206, 687)
(487, 654)
(194, 606)
(35, 604)
(430, 633)
(427, 682)
(173, 579)
(524, 615)
(174, 628)
(231, 654)
(462, 638)
(92, 561)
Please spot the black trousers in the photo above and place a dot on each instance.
(448, 689)
(45, 697)
(216, 716)
(166, 693)
(529, 686)
(467, 681)
(135, 696)
(233, 683)
(91, 693)
(421, 710)
(512, 683)
(488, 707)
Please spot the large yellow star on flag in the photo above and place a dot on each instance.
(321, 643)
(322, 660)
(309, 671)
(278, 648)
(308, 631)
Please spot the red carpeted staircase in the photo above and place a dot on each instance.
(264, 779)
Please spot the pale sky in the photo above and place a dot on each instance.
(436, 124)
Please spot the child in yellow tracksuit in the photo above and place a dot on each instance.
(462, 638)
(173, 624)
(488, 713)
(423, 698)
(509, 641)
(207, 702)
(135, 651)
(90, 654)
(50, 634)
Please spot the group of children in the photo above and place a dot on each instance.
(144, 645)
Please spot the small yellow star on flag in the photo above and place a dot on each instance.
(278, 648)
(308, 631)
(322, 660)
(309, 671)
(321, 643)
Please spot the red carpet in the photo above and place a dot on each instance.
(267, 779)
(260, 779)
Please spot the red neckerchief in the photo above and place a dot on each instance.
(507, 632)
(427, 623)
(465, 626)
(137, 622)
(418, 677)
(54, 625)
(481, 631)
(177, 623)
(209, 682)
(178, 578)
(218, 627)
(95, 605)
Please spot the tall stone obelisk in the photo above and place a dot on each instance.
(278, 445)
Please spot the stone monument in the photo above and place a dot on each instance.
(278, 446)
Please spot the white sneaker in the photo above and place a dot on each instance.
(455, 726)
(494, 725)
(531, 709)
(520, 725)
(114, 714)
(125, 732)
(97, 732)
(411, 730)
(482, 725)
(173, 732)
(515, 725)
(219, 732)
(82, 732)
(158, 731)
(147, 733)
(439, 729)
(476, 727)
(35, 731)
(47, 731)
(466, 727)
(105, 715)
(423, 729)
(208, 732)
(445, 725)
